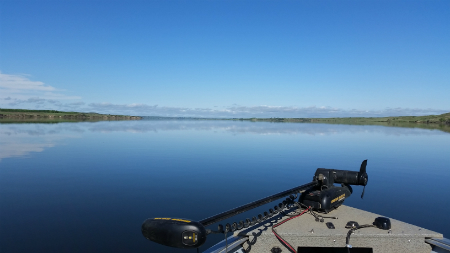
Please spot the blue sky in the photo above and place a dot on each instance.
(227, 58)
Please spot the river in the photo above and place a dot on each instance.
(88, 186)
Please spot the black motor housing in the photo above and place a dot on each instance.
(326, 200)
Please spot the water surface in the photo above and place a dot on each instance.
(87, 187)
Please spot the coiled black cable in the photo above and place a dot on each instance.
(317, 217)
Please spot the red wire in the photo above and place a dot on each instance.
(279, 237)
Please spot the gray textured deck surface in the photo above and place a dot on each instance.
(305, 231)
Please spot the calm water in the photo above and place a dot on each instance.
(87, 187)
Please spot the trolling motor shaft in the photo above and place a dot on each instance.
(249, 206)
(187, 234)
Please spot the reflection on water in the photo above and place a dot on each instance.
(144, 126)
(21, 139)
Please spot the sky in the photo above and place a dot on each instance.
(227, 58)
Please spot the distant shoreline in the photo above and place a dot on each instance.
(57, 116)
(53, 115)
(432, 122)
(443, 119)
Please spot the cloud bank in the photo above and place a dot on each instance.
(262, 111)
(17, 91)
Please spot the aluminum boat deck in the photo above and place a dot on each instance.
(307, 235)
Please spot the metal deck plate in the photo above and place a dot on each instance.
(304, 231)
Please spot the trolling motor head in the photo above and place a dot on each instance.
(327, 177)
(326, 196)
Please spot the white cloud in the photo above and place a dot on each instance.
(20, 87)
(18, 82)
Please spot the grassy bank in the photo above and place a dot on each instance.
(440, 122)
(429, 119)
(48, 116)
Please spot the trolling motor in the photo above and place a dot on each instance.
(321, 195)
(326, 196)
